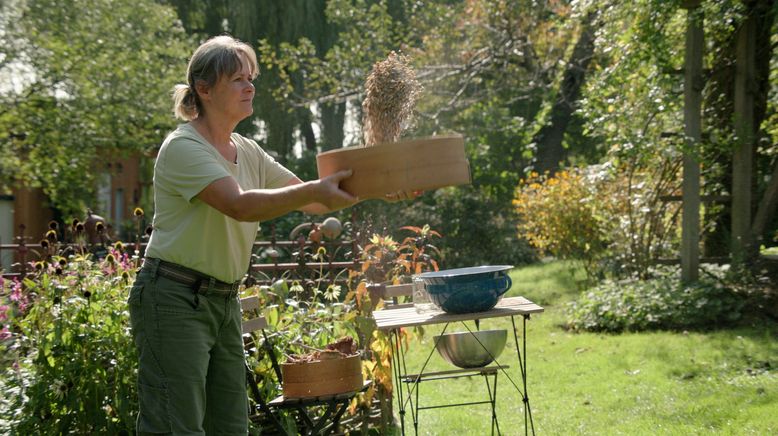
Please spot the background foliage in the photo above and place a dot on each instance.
(657, 303)
(69, 364)
(508, 75)
(96, 85)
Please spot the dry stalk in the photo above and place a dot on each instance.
(343, 347)
(391, 91)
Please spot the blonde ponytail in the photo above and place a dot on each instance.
(185, 105)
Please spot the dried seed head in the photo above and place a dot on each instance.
(138, 212)
(391, 91)
(53, 225)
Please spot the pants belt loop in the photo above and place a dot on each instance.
(153, 266)
(211, 282)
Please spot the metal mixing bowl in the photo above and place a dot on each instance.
(471, 350)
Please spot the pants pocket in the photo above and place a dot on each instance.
(175, 299)
(153, 416)
(136, 292)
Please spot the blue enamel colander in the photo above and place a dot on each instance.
(466, 290)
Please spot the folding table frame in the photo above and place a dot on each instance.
(392, 320)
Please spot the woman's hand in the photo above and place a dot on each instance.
(330, 194)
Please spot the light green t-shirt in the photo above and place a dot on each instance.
(188, 231)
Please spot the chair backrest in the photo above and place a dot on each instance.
(252, 321)
(389, 294)
(318, 415)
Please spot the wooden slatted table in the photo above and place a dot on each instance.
(408, 317)
(393, 319)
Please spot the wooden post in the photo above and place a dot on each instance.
(742, 161)
(693, 84)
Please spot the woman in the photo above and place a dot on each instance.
(211, 188)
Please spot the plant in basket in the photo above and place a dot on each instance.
(306, 331)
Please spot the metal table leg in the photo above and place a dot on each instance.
(528, 423)
(400, 369)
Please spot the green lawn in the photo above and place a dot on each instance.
(678, 383)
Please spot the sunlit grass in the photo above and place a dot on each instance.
(675, 383)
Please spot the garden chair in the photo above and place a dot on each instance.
(390, 295)
(314, 416)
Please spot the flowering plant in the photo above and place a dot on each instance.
(67, 353)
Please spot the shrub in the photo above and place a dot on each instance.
(662, 302)
(478, 228)
(610, 218)
(559, 216)
(71, 357)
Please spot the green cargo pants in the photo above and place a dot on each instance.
(191, 373)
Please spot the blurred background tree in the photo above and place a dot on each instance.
(93, 82)
(532, 86)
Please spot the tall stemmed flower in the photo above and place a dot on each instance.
(138, 214)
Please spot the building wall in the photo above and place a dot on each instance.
(30, 207)
(122, 177)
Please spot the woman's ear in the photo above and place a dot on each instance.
(203, 90)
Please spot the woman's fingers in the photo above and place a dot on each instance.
(340, 175)
(335, 179)
(333, 196)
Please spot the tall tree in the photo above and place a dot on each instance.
(634, 99)
(283, 123)
(98, 83)
(549, 139)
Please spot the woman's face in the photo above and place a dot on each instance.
(233, 94)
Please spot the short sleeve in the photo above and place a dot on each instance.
(187, 168)
(276, 175)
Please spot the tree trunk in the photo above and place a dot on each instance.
(720, 113)
(548, 140)
(306, 130)
(333, 116)
(765, 12)
(766, 211)
(744, 128)
(693, 85)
